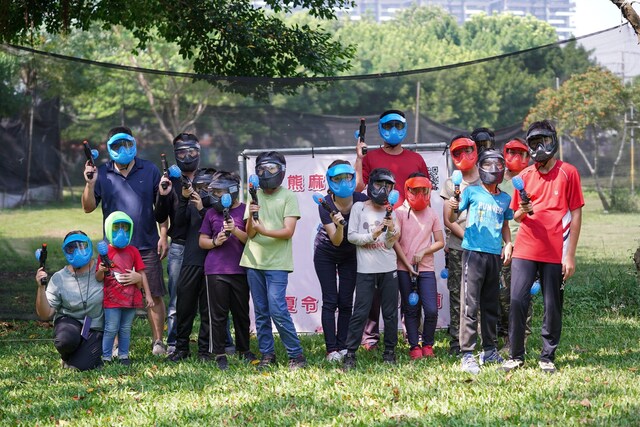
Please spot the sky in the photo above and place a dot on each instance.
(595, 15)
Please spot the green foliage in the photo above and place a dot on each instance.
(223, 38)
(623, 201)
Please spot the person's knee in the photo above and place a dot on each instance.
(66, 342)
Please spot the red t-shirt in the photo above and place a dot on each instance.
(401, 165)
(544, 235)
(115, 294)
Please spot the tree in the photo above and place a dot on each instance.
(584, 108)
(629, 13)
(222, 37)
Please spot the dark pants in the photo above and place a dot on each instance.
(523, 274)
(228, 292)
(366, 286)
(428, 293)
(453, 285)
(336, 296)
(192, 295)
(505, 304)
(77, 352)
(371, 333)
(480, 290)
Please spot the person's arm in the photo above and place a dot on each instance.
(507, 249)
(147, 292)
(402, 257)
(392, 234)
(284, 233)
(163, 242)
(100, 271)
(438, 243)
(447, 216)
(569, 260)
(89, 202)
(361, 174)
(44, 311)
(361, 239)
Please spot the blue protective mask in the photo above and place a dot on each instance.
(392, 128)
(122, 148)
(120, 238)
(344, 187)
(81, 250)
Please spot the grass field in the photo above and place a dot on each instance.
(598, 358)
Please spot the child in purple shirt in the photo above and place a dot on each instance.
(226, 281)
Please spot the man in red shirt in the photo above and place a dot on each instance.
(549, 230)
(392, 127)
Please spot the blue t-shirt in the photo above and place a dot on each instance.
(487, 213)
(134, 195)
(323, 242)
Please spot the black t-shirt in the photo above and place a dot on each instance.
(323, 242)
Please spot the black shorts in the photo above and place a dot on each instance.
(153, 269)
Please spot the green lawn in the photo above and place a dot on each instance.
(598, 358)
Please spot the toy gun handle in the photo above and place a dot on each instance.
(387, 215)
(185, 182)
(227, 217)
(326, 206)
(89, 156)
(525, 198)
(254, 199)
(43, 261)
(362, 131)
(165, 170)
(456, 194)
(446, 259)
(414, 279)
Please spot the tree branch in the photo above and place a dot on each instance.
(629, 14)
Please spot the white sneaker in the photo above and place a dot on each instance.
(334, 356)
(171, 349)
(547, 367)
(159, 348)
(343, 352)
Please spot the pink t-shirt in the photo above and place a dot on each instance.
(416, 232)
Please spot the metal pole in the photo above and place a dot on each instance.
(632, 154)
(560, 150)
(415, 136)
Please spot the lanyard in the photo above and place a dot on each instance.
(84, 300)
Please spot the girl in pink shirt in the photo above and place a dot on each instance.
(421, 235)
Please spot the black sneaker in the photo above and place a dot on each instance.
(267, 361)
(125, 361)
(297, 362)
(204, 357)
(249, 357)
(389, 356)
(178, 355)
(455, 352)
(222, 362)
(349, 361)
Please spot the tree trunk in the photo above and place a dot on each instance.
(612, 194)
(593, 170)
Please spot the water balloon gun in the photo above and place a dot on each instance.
(444, 273)
(518, 184)
(103, 250)
(41, 256)
(254, 184)
(391, 200)
(91, 155)
(226, 204)
(319, 199)
(360, 135)
(413, 296)
(535, 288)
(456, 179)
(169, 172)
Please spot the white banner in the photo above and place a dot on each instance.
(305, 176)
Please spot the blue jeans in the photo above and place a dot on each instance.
(428, 293)
(269, 289)
(174, 264)
(117, 321)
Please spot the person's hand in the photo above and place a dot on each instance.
(196, 201)
(220, 238)
(258, 227)
(186, 192)
(41, 274)
(453, 203)
(417, 257)
(507, 250)
(102, 267)
(568, 267)
(163, 247)
(388, 222)
(254, 207)
(229, 226)
(526, 207)
(336, 218)
(413, 272)
(359, 146)
(131, 277)
(150, 302)
(89, 168)
(165, 191)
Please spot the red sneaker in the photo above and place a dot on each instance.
(415, 353)
(370, 347)
(427, 351)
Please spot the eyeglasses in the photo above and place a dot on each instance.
(72, 246)
(419, 190)
(116, 145)
(121, 226)
(184, 152)
(460, 151)
(393, 123)
(272, 168)
(342, 177)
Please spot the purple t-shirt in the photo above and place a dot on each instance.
(225, 259)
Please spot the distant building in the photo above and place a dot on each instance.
(558, 13)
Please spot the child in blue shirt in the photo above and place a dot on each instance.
(487, 226)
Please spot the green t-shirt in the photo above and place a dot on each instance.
(268, 253)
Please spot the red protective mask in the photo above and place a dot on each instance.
(464, 153)
(516, 156)
(417, 192)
